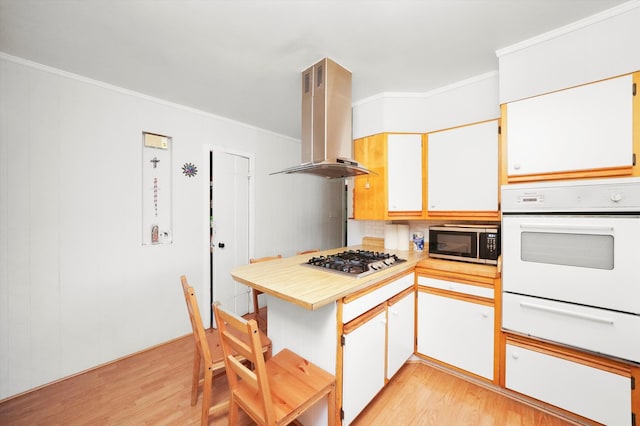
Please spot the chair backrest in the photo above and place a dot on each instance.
(308, 251)
(231, 327)
(196, 321)
(264, 259)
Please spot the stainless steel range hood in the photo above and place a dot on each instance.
(326, 123)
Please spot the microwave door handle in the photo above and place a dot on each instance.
(566, 312)
(556, 227)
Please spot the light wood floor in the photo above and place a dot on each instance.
(423, 395)
(152, 388)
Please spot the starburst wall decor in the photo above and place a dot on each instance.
(189, 169)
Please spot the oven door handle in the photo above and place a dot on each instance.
(556, 227)
(566, 312)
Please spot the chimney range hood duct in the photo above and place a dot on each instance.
(326, 123)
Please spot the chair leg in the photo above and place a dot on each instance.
(256, 309)
(195, 379)
(233, 411)
(206, 396)
(262, 322)
(331, 403)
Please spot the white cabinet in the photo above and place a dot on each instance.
(400, 331)
(396, 189)
(583, 128)
(457, 332)
(404, 167)
(597, 394)
(377, 339)
(463, 168)
(363, 362)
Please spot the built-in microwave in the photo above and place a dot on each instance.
(467, 243)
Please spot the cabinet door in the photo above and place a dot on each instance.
(583, 128)
(400, 332)
(369, 191)
(404, 166)
(363, 362)
(456, 332)
(596, 394)
(463, 168)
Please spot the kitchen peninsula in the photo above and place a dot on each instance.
(308, 308)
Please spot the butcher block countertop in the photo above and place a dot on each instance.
(289, 279)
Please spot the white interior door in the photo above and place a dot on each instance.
(231, 215)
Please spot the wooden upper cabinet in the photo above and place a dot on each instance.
(584, 131)
(463, 171)
(397, 190)
(370, 191)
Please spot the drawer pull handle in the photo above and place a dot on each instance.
(565, 312)
(563, 228)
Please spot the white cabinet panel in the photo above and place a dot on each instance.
(362, 304)
(456, 332)
(400, 333)
(586, 127)
(599, 330)
(596, 394)
(404, 153)
(363, 365)
(474, 290)
(463, 168)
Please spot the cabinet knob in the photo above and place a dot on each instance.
(484, 314)
(515, 355)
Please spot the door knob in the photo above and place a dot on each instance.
(221, 245)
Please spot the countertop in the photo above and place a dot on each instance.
(475, 269)
(291, 280)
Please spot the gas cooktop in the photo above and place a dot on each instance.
(356, 263)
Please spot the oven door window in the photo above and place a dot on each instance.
(581, 250)
(457, 244)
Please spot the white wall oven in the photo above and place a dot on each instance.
(571, 263)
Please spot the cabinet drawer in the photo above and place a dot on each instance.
(590, 392)
(362, 304)
(473, 290)
(593, 329)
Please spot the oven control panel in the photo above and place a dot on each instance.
(597, 195)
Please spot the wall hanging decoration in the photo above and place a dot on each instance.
(156, 189)
(189, 169)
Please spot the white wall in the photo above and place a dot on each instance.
(77, 288)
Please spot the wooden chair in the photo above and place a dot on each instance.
(279, 389)
(209, 350)
(262, 321)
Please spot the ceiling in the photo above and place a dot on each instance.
(242, 59)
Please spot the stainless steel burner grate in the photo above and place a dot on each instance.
(356, 263)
